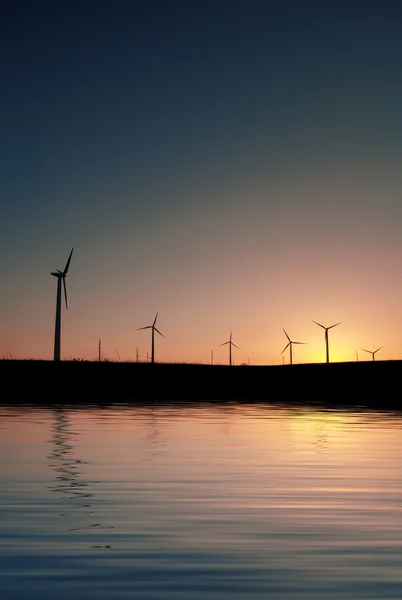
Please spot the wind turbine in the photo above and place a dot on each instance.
(230, 348)
(372, 352)
(290, 344)
(61, 277)
(153, 336)
(326, 337)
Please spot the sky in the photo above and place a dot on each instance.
(231, 166)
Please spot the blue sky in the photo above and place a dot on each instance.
(233, 166)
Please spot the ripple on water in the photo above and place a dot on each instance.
(211, 502)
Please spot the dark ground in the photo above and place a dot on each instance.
(371, 384)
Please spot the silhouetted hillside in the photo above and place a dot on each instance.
(374, 384)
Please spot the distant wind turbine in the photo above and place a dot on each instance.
(153, 328)
(290, 344)
(372, 352)
(326, 337)
(230, 348)
(61, 277)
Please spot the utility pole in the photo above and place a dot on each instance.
(99, 350)
(212, 357)
(137, 355)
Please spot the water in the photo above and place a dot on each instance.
(200, 502)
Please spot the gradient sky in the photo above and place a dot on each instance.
(235, 166)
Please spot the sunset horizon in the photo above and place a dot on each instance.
(233, 170)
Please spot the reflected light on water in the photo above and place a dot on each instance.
(206, 501)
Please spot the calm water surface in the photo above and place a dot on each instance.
(200, 502)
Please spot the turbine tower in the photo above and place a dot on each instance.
(290, 344)
(230, 348)
(372, 352)
(153, 328)
(61, 277)
(326, 337)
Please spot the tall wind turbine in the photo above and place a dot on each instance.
(326, 337)
(153, 328)
(230, 348)
(290, 344)
(61, 277)
(372, 352)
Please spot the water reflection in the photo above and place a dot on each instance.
(69, 481)
(154, 434)
(234, 503)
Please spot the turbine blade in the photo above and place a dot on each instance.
(65, 291)
(235, 346)
(159, 332)
(378, 349)
(299, 342)
(286, 334)
(285, 348)
(68, 263)
(369, 351)
(333, 325)
(147, 327)
(156, 316)
(319, 324)
(224, 343)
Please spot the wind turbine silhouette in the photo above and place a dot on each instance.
(230, 348)
(290, 344)
(153, 337)
(61, 277)
(326, 337)
(372, 352)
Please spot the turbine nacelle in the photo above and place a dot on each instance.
(289, 345)
(152, 326)
(326, 328)
(62, 275)
(373, 352)
(230, 342)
